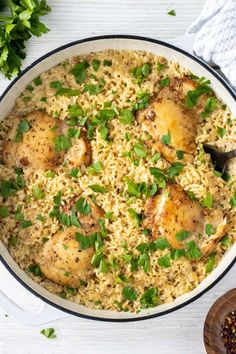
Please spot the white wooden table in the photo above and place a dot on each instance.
(176, 333)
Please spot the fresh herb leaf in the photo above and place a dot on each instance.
(225, 241)
(107, 62)
(175, 169)
(74, 172)
(38, 81)
(210, 262)
(95, 168)
(171, 13)
(180, 154)
(161, 243)
(35, 269)
(142, 72)
(149, 298)
(79, 71)
(208, 201)
(62, 142)
(160, 66)
(21, 24)
(23, 127)
(210, 106)
(182, 235)
(201, 89)
(38, 193)
(136, 216)
(86, 241)
(177, 253)
(49, 333)
(209, 229)
(143, 100)
(232, 201)
(166, 139)
(164, 82)
(83, 207)
(97, 188)
(164, 261)
(156, 157)
(96, 64)
(139, 150)
(13, 241)
(221, 132)
(126, 116)
(4, 212)
(129, 293)
(193, 252)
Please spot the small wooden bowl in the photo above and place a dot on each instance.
(214, 320)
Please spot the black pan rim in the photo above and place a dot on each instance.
(132, 37)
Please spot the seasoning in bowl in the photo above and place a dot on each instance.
(228, 333)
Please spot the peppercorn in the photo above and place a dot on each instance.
(228, 332)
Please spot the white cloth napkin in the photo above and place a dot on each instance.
(215, 39)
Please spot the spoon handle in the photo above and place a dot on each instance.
(231, 154)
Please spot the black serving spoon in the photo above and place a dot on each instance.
(219, 158)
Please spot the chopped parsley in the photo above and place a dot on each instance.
(23, 127)
(86, 241)
(107, 62)
(74, 172)
(209, 229)
(96, 64)
(139, 150)
(164, 82)
(83, 207)
(129, 293)
(164, 262)
(171, 13)
(193, 252)
(177, 253)
(35, 269)
(62, 142)
(210, 106)
(95, 168)
(160, 66)
(94, 89)
(80, 70)
(10, 187)
(225, 241)
(210, 262)
(165, 139)
(208, 201)
(182, 235)
(49, 333)
(136, 216)
(64, 91)
(175, 169)
(179, 154)
(201, 89)
(97, 188)
(38, 81)
(38, 193)
(156, 157)
(232, 201)
(141, 73)
(221, 132)
(126, 116)
(143, 100)
(149, 298)
(13, 241)
(4, 212)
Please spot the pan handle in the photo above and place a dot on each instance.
(45, 314)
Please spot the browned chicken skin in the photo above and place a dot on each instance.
(36, 149)
(173, 211)
(167, 113)
(61, 259)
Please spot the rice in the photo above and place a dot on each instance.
(105, 290)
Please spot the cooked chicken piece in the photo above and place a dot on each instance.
(167, 115)
(80, 153)
(62, 261)
(89, 223)
(172, 211)
(36, 149)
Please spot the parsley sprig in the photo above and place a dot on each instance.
(15, 29)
